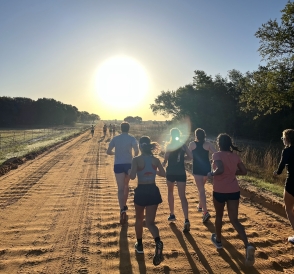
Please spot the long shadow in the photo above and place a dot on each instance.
(234, 254)
(179, 235)
(199, 253)
(86, 140)
(141, 262)
(125, 265)
(101, 139)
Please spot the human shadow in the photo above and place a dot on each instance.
(141, 263)
(179, 235)
(101, 139)
(125, 265)
(198, 252)
(235, 255)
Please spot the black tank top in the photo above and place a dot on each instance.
(201, 163)
(176, 163)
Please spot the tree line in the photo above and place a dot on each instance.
(257, 104)
(20, 111)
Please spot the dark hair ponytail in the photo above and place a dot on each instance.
(224, 142)
(148, 147)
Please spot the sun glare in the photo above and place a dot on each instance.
(121, 82)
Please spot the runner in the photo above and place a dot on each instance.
(123, 145)
(110, 129)
(226, 165)
(92, 130)
(287, 159)
(201, 166)
(147, 195)
(176, 173)
(113, 129)
(104, 130)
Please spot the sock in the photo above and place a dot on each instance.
(139, 241)
(157, 239)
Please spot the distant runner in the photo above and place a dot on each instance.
(110, 129)
(124, 145)
(92, 130)
(104, 130)
(113, 129)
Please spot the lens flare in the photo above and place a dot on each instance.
(183, 125)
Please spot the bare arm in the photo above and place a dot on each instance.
(109, 150)
(188, 152)
(133, 171)
(219, 168)
(241, 169)
(192, 146)
(160, 172)
(136, 148)
(166, 155)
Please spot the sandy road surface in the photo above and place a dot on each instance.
(59, 214)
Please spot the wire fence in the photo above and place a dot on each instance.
(15, 142)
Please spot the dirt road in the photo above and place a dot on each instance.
(59, 214)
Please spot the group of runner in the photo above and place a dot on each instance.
(111, 129)
(222, 170)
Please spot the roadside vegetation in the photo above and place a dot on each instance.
(18, 143)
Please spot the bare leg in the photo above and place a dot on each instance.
(170, 196)
(182, 195)
(150, 218)
(200, 183)
(289, 204)
(233, 207)
(123, 189)
(139, 221)
(219, 212)
(126, 190)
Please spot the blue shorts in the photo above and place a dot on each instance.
(224, 197)
(120, 168)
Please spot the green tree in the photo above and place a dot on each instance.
(270, 89)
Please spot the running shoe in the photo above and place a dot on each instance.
(158, 258)
(205, 217)
(171, 217)
(217, 244)
(199, 209)
(139, 248)
(291, 240)
(122, 216)
(186, 227)
(250, 250)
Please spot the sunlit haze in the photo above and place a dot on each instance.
(113, 58)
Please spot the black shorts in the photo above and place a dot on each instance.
(122, 168)
(176, 178)
(147, 195)
(289, 186)
(224, 197)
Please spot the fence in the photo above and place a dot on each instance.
(10, 139)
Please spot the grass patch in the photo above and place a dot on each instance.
(261, 184)
(22, 149)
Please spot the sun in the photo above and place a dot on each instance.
(121, 82)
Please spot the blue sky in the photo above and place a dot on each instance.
(53, 48)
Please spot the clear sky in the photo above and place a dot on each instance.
(58, 48)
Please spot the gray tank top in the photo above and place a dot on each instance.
(148, 173)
